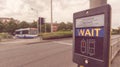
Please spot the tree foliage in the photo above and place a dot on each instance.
(24, 24)
(10, 27)
(62, 26)
(33, 25)
(69, 26)
(116, 31)
(46, 27)
(1, 27)
(65, 26)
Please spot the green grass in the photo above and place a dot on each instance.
(56, 35)
(5, 36)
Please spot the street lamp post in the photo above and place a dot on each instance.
(39, 31)
(51, 16)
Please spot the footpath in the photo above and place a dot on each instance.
(116, 61)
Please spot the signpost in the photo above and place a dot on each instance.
(92, 37)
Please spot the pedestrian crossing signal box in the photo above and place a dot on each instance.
(92, 37)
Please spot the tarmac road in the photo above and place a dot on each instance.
(35, 53)
(57, 53)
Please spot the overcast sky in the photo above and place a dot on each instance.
(62, 9)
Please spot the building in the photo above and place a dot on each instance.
(55, 27)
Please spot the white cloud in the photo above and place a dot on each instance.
(21, 9)
(62, 9)
(115, 12)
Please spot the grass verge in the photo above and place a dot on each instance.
(5, 36)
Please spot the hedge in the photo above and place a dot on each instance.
(56, 35)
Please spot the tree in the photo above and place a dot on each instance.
(23, 24)
(115, 31)
(1, 27)
(62, 26)
(119, 30)
(48, 27)
(33, 25)
(43, 28)
(69, 26)
(10, 27)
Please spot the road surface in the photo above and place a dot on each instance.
(24, 53)
(35, 53)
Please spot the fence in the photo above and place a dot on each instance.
(115, 45)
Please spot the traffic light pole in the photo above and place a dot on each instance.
(40, 30)
(78, 65)
(97, 3)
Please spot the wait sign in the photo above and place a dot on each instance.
(92, 37)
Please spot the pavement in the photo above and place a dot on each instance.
(40, 53)
(116, 61)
